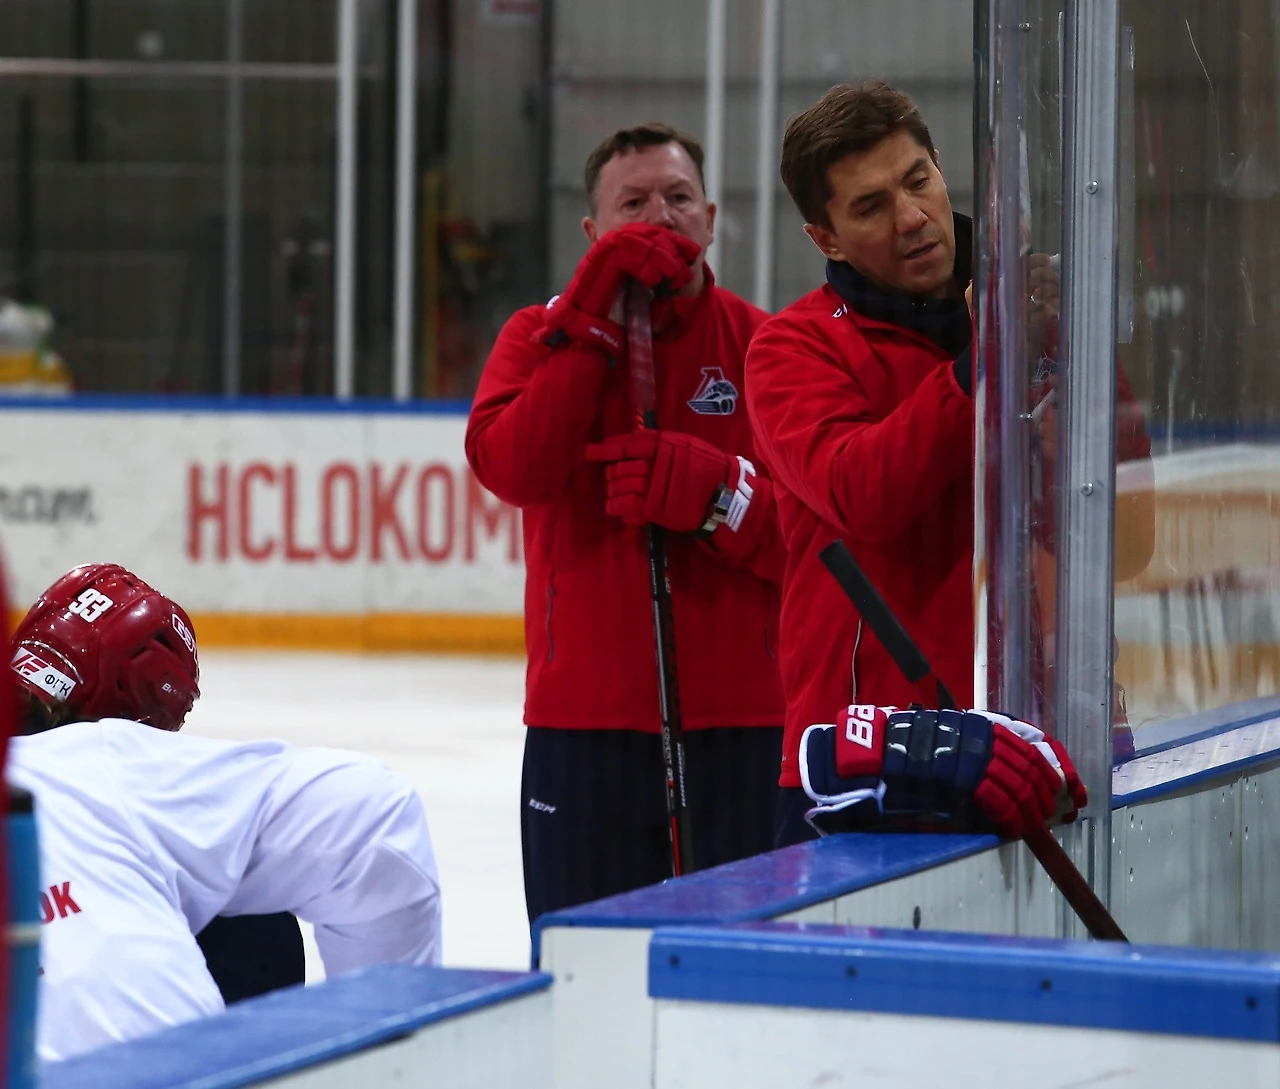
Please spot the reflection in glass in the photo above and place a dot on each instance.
(1197, 626)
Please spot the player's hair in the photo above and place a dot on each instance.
(625, 141)
(849, 118)
(35, 716)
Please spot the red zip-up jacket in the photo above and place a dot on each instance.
(869, 439)
(588, 612)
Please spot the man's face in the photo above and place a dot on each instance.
(655, 185)
(891, 218)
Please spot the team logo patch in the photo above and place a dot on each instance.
(716, 396)
(42, 674)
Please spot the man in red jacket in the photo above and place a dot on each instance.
(861, 403)
(553, 431)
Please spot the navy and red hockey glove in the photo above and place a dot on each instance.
(657, 257)
(669, 479)
(973, 769)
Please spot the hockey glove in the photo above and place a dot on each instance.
(664, 477)
(974, 769)
(658, 258)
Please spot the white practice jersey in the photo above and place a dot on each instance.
(145, 836)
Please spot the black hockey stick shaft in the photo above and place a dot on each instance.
(644, 394)
(908, 657)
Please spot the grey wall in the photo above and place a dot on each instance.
(616, 65)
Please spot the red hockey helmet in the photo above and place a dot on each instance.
(101, 643)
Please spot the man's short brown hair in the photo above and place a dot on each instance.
(624, 141)
(849, 118)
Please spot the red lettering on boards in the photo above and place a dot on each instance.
(344, 513)
(385, 511)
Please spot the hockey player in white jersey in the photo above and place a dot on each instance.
(147, 834)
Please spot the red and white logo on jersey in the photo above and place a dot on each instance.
(44, 675)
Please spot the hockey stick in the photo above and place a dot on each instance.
(644, 393)
(908, 657)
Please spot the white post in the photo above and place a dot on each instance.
(406, 233)
(717, 76)
(233, 202)
(766, 153)
(344, 294)
(1087, 447)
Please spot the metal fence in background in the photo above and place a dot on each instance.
(349, 197)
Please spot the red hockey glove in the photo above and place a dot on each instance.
(1020, 789)
(1074, 797)
(973, 768)
(656, 257)
(664, 477)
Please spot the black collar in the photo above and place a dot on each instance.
(946, 322)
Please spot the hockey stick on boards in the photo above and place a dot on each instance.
(645, 397)
(908, 657)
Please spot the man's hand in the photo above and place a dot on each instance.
(1046, 296)
(971, 768)
(658, 258)
(662, 477)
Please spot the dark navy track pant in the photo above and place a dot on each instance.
(790, 826)
(249, 955)
(593, 815)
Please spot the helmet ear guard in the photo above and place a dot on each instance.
(101, 643)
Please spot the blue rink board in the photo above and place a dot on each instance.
(1101, 985)
(761, 888)
(770, 885)
(289, 1030)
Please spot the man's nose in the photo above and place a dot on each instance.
(658, 212)
(911, 217)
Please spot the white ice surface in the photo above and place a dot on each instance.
(451, 724)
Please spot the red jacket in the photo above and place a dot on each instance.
(588, 612)
(869, 438)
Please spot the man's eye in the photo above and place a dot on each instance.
(681, 198)
(868, 210)
(919, 183)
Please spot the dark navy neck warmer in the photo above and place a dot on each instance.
(946, 322)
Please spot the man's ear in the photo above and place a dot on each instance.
(711, 221)
(825, 239)
(590, 229)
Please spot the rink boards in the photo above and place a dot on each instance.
(318, 525)
(854, 960)
(284, 523)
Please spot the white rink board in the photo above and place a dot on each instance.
(504, 1045)
(260, 512)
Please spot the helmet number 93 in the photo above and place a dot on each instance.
(90, 605)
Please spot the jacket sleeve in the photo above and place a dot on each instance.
(532, 412)
(757, 543)
(258, 827)
(869, 473)
(1135, 524)
(1136, 489)
(343, 844)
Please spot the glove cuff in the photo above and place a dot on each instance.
(732, 499)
